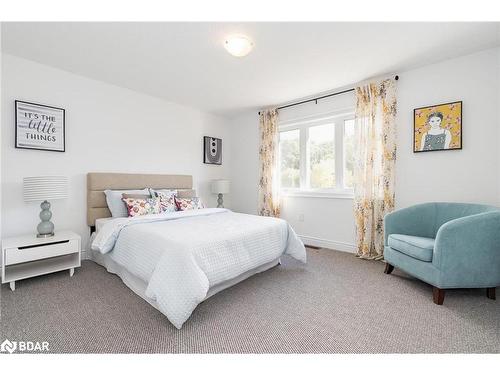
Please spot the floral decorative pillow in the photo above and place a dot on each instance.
(140, 207)
(185, 204)
(167, 201)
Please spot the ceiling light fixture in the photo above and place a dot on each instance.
(238, 45)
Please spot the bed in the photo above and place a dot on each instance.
(176, 260)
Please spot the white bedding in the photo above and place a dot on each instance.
(99, 223)
(180, 255)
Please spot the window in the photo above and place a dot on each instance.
(316, 156)
(322, 156)
(289, 159)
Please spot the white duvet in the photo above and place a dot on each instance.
(180, 255)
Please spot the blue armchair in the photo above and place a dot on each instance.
(447, 245)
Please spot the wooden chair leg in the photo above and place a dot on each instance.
(490, 293)
(438, 296)
(388, 268)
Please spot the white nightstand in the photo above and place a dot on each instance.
(29, 256)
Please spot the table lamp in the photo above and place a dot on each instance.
(45, 188)
(220, 187)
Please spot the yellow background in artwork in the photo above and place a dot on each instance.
(452, 114)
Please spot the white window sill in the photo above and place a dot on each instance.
(343, 194)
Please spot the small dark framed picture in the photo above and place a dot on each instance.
(438, 127)
(212, 150)
(40, 127)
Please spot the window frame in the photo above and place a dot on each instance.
(343, 154)
(303, 124)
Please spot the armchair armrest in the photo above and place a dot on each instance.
(416, 220)
(467, 250)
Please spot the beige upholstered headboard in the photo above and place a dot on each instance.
(98, 182)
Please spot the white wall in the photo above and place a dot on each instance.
(468, 175)
(108, 129)
(245, 162)
(0, 129)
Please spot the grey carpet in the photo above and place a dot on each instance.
(334, 304)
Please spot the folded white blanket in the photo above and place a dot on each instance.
(180, 255)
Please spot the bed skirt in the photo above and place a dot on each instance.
(138, 286)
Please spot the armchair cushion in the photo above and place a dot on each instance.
(420, 248)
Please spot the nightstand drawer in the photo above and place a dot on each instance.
(30, 253)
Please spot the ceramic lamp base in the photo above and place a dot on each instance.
(45, 227)
(220, 202)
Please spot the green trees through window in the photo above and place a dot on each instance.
(290, 159)
(317, 157)
(322, 156)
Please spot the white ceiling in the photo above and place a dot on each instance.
(187, 64)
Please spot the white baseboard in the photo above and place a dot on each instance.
(328, 244)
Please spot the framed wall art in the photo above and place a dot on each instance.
(212, 150)
(40, 127)
(438, 127)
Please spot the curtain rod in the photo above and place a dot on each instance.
(319, 98)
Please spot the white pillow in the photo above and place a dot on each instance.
(168, 192)
(115, 203)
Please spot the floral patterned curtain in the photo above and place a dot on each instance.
(375, 141)
(269, 204)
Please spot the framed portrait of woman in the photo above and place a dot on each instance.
(438, 127)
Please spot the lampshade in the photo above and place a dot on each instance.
(45, 188)
(220, 186)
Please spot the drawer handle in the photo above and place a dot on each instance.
(42, 244)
